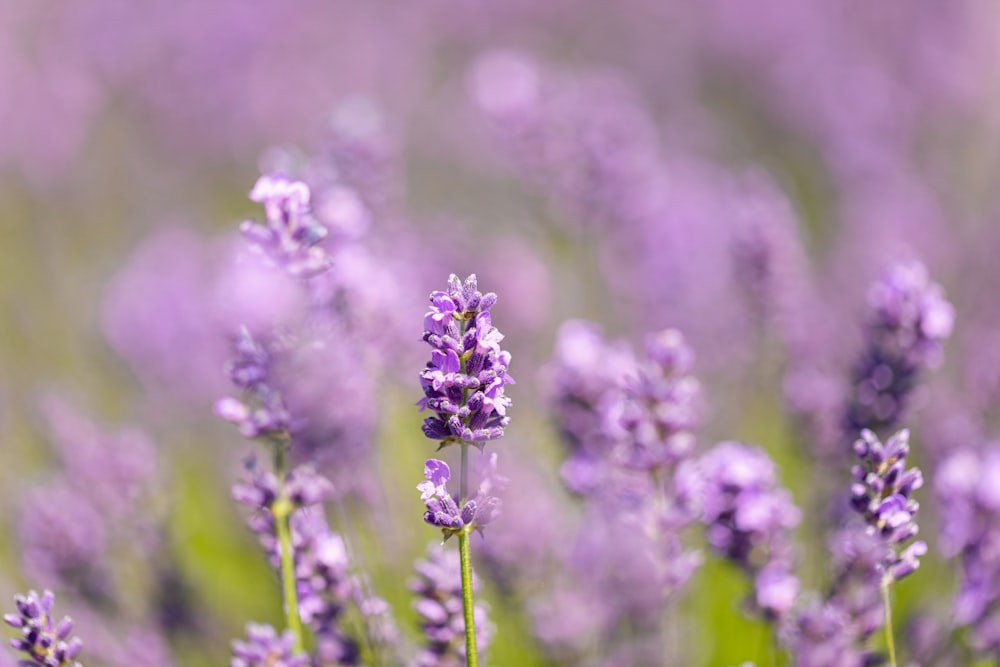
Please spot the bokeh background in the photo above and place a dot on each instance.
(621, 162)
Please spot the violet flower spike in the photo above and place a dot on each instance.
(881, 492)
(464, 381)
(908, 322)
(443, 510)
(43, 641)
(438, 587)
(290, 236)
(264, 647)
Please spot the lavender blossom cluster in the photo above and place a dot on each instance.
(464, 380)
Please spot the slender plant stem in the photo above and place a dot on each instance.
(889, 643)
(282, 510)
(465, 555)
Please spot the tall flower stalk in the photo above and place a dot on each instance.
(463, 386)
(881, 493)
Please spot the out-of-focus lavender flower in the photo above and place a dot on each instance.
(659, 406)
(909, 320)
(264, 647)
(325, 586)
(438, 586)
(261, 489)
(291, 235)
(881, 492)
(442, 507)
(967, 486)
(65, 539)
(822, 636)
(44, 641)
(748, 520)
(263, 413)
(768, 258)
(464, 381)
(581, 382)
(117, 467)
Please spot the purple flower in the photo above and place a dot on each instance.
(290, 236)
(264, 647)
(442, 507)
(881, 493)
(438, 586)
(464, 381)
(748, 520)
(966, 487)
(263, 411)
(659, 406)
(908, 322)
(44, 642)
(582, 382)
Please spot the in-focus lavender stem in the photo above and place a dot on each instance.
(468, 607)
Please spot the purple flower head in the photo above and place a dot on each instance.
(908, 322)
(438, 586)
(748, 520)
(262, 411)
(660, 405)
(967, 486)
(464, 381)
(264, 647)
(442, 507)
(43, 641)
(881, 492)
(582, 383)
(290, 236)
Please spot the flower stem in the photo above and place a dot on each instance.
(465, 555)
(889, 643)
(465, 558)
(282, 510)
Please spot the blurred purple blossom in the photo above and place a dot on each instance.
(908, 321)
(966, 487)
(749, 519)
(264, 647)
(438, 587)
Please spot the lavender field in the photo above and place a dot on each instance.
(450, 333)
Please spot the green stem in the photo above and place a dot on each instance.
(471, 655)
(282, 510)
(889, 643)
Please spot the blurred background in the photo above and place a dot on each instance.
(743, 174)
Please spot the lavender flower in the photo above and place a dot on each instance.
(263, 411)
(748, 520)
(442, 508)
(881, 493)
(659, 406)
(966, 487)
(909, 320)
(324, 584)
(438, 586)
(465, 378)
(43, 641)
(262, 490)
(581, 382)
(264, 647)
(290, 236)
